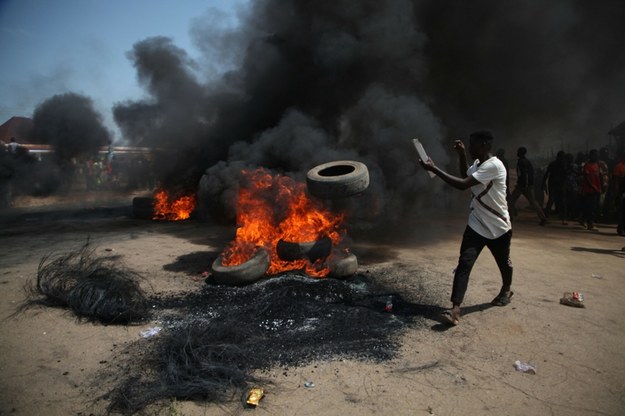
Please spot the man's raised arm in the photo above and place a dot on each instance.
(462, 158)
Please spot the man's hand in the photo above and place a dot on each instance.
(428, 164)
(459, 146)
(462, 158)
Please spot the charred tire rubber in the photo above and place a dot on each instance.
(241, 274)
(338, 179)
(343, 266)
(314, 250)
(143, 207)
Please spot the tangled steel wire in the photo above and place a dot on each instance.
(94, 288)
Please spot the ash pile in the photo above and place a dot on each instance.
(219, 341)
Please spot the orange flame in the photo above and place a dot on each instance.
(271, 208)
(170, 208)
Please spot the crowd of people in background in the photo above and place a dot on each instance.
(23, 172)
(525, 186)
(587, 188)
(108, 172)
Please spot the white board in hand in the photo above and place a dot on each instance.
(422, 155)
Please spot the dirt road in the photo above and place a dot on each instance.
(49, 361)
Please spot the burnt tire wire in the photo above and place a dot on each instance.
(96, 288)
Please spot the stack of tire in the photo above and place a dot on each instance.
(332, 180)
(336, 180)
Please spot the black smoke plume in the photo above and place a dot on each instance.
(70, 123)
(313, 81)
(544, 75)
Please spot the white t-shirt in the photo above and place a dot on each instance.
(489, 215)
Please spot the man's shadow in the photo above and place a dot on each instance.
(613, 251)
(443, 317)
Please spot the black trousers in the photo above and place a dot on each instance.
(470, 249)
(620, 212)
(557, 196)
(590, 207)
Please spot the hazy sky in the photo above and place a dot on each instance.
(54, 47)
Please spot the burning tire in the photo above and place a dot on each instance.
(313, 250)
(338, 179)
(241, 274)
(343, 266)
(143, 207)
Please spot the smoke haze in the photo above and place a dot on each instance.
(542, 74)
(70, 123)
(314, 81)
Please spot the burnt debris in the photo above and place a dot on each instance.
(94, 288)
(217, 342)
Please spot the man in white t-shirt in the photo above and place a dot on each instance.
(489, 221)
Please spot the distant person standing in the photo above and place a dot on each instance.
(7, 170)
(571, 186)
(554, 182)
(580, 160)
(618, 178)
(525, 186)
(13, 145)
(605, 166)
(592, 187)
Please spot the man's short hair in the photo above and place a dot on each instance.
(484, 135)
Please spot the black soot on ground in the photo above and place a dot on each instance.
(218, 341)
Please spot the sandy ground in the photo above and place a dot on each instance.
(49, 361)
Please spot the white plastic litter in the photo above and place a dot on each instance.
(524, 367)
(150, 332)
